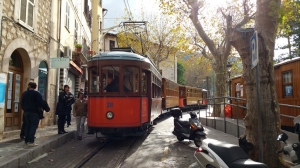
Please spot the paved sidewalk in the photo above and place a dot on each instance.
(14, 153)
(162, 149)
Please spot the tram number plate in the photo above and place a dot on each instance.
(109, 104)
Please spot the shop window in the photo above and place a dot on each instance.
(93, 80)
(287, 83)
(110, 78)
(42, 81)
(131, 79)
(237, 90)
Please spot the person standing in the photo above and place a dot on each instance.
(80, 91)
(63, 108)
(70, 103)
(112, 85)
(22, 133)
(80, 112)
(31, 101)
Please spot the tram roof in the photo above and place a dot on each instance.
(119, 55)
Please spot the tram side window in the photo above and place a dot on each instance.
(144, 82)
(110, 78)
(93, 80)
(287, 83)
(131, 79)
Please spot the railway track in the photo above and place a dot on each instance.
(112, 149)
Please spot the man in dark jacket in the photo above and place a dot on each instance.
(63, 107)
(22, 134)
(31, 101)
(112, 85)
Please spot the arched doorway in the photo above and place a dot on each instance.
(13, 112)
(42, 81)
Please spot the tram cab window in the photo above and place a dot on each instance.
(130, 79)
(93, 80)
(110, 78)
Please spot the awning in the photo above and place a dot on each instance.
(76, 67)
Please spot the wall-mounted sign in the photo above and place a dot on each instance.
(59, 62)
(2, 89)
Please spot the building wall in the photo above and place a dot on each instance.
(107, 40)
(32, 43)
(169, 68)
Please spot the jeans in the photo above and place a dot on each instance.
(69, 118)
(22, 134)
(80, 120)
(61, 122)
(32, 121)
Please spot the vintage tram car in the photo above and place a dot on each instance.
(131, 105)
(287, 88)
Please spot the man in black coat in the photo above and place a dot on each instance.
(112, 85)
(63, 108)
(22, 134)
(31, 101)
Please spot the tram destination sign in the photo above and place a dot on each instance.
(59, 62)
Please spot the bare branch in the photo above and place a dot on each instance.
(228, 35)
(199, 28)
(247, 15)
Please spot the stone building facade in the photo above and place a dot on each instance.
(24, 55)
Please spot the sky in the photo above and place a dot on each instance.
(116, 12)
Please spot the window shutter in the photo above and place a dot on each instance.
(30, 14)
(23, 10)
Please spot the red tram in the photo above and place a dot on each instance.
(136, 99)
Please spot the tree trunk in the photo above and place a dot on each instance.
(220, 83)
(269, 104)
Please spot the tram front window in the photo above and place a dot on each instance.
(130, 79)
(93, 80)
(110, 78)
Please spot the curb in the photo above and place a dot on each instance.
(22, 156)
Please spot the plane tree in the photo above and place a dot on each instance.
(266, 23)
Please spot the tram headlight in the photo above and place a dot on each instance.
(109, 115)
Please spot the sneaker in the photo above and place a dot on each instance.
(31, 144)
(22, 137)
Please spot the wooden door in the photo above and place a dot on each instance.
(13, 112)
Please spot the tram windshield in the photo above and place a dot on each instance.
(110, 78)
(131, 79)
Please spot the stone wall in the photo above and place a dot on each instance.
(38, 40)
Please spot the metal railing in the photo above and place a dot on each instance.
(212, 102)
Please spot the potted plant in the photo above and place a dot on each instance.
(78, 47)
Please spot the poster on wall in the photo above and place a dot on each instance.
(16, 107)
(17, 87)
(9, 94)
(10, 80)
(2, 89)
(8, 105)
